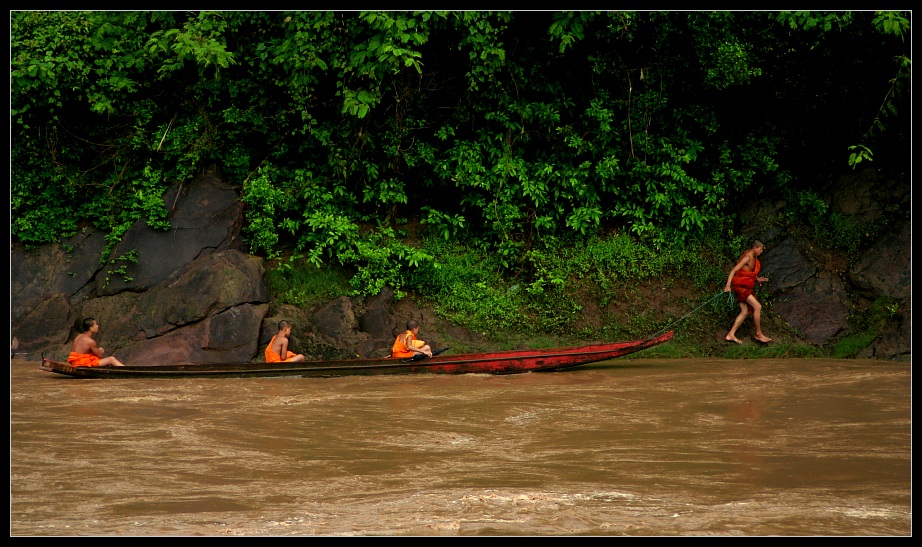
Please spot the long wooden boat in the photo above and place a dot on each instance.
(503, 362)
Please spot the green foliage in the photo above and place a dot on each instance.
(829, 229)
(130, 257)
(302, 284)
(358, 103)
(81, 102)
(262, 199)
(836, 233)
(471, 288)
(447, 226)
(380, 260)
(815, 20)
(728, 61)
(507, 131)
(893, 23)
(849, 346)
(468, 287)
(804, 205)
(867, 326)
(613, 261)
(569, 27)
(859, 153)
(200, 41)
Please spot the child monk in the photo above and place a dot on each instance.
(408, 344)
(86, 353)
(278, 347)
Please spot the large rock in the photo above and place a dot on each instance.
(813, 302)
(191, 296)
(758, 220)
(865, 196)
(815, 290)
(205, 217)
(378, 320)
(817, 308)
(337, 325)
(67, 268)
(214, 285)
(44, 322)
(886, 268)
(786, 266)
(230, 336)
(204, 287)
(894, 344)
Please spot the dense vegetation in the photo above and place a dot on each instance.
(395, 144)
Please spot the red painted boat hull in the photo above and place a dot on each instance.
(503, 362)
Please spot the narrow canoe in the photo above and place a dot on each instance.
(503, 362)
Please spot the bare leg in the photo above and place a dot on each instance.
(757, 318)
(731, 336)
(427, 350)
(297, 359)
(110, 360)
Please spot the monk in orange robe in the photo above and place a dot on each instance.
(408, 344)
(741, 281)
(86, 353)
(278, 347)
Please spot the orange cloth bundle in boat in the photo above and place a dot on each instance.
(82, 360)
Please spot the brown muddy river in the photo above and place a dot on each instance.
(624, 448)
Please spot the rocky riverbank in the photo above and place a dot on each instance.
(192, 295)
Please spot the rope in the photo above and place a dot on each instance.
(708, 301)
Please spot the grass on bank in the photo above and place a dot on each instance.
(545, 301)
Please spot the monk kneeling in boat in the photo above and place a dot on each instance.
(86, 353)
(408, 345)
(278, 346)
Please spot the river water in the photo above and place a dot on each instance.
(631, 447)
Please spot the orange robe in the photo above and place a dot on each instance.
(82, 360)
(400, 349)
(272, 357)
(744, 282)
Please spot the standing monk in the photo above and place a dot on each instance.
(408, 344)
(278, 347)
(86, 353)
(742, 280)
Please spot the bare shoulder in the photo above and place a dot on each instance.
(744, 258)
(83, 343)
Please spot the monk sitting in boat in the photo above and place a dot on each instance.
(86, 353)
(408, 344)
(278, 347)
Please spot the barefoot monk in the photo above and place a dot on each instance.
(741, 281)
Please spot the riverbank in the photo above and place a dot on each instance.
(700, 320)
